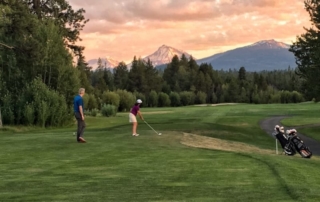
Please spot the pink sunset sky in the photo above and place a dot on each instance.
(121, 29)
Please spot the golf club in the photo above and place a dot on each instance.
(152, 128)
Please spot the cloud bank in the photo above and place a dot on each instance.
(124, 28)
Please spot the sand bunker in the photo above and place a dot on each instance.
(198, 141)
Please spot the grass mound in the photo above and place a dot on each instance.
(199, 141)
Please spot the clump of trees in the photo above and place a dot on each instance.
(37, 77)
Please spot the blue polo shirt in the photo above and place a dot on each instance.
(77, 101)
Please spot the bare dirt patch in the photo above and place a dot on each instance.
(198, 141)
(214, 105)
(158, 112)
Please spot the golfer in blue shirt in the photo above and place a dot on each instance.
(78, 113)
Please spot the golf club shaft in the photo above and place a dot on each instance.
(151, 127)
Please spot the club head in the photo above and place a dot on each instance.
(159, 133)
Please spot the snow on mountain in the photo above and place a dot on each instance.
(164, 55)
(272, 44)
(106, 62)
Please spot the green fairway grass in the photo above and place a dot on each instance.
(49, 165)
(298, 121)
(313, 132)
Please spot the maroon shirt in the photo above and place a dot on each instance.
(135, 109)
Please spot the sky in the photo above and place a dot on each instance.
(121, 29)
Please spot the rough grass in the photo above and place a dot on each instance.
(48, 165)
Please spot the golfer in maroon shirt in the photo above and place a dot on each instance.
(132, 117)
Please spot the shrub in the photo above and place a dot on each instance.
(175, 99)
(256, 98)
(164, 100)
(201, 98)
(43, 113)
(296, 97)
(111, 98)
(187, 98)
(108, 110)
(6, 110)
(86, 98)
(275, 98)
(50, 107)
(87, 112)
(94, 112)
(214, 98)
(92, 103)
(127, 99)
(29, 115)
(57, 117)
(285, 97)
(141, 97)
(153, 99)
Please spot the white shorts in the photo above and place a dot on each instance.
(132, 118)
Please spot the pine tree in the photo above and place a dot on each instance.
(184, 61)
(85, 74)
(121, 73)
(201, 82)
(193, 69)
(170, 74)
(152, 77)
(108, 78)
(307, 54)
(69, 21)
(137, 81)
(242, 74)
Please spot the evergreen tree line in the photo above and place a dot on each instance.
(184, 82)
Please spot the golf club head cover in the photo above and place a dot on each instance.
(291, 132)
(281, 129)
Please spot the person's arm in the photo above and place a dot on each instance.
(81, 109)
(81, 112)
(139, 113)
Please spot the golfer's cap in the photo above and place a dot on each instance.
(139, 101)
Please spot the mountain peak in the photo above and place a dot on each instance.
(262, 55)
(107, 62)
(164, 55)
(271, 44)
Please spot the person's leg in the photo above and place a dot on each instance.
(133, 120)
(79, 125)
(134, 128)
(79, 130)
(82, 127)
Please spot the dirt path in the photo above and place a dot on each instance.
(269, 123)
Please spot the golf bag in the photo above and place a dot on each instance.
(291, 143)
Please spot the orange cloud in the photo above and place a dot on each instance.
(122, 29)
